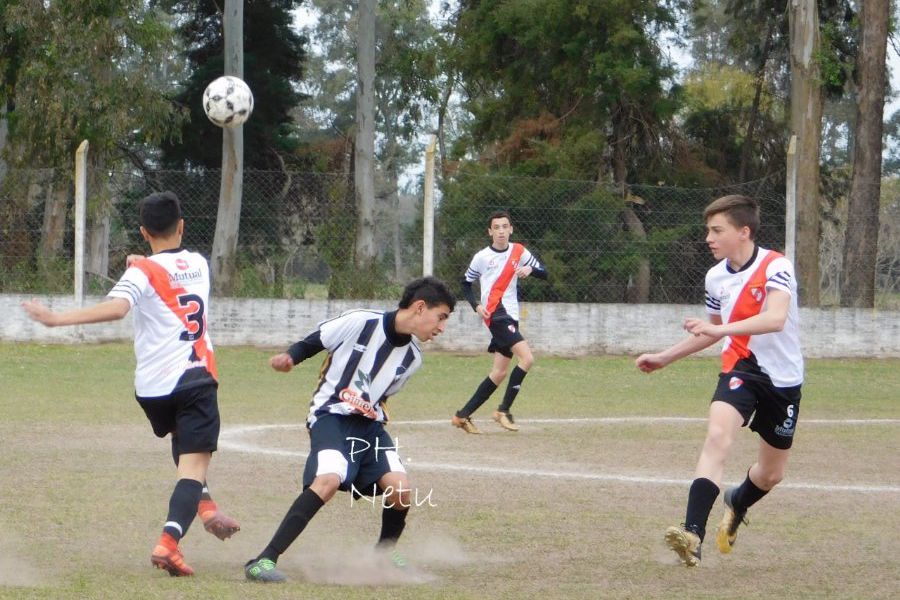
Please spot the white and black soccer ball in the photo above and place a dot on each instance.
(228, 101)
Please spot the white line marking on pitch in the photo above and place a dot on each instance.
(226, 441)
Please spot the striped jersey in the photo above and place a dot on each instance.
(495, 271)
(169, 296)
(368, 361)
(738, 295)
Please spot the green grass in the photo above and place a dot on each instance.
(84, 485)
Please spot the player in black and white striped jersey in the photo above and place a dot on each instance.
(371, 355)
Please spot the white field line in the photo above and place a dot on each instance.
(231, 439)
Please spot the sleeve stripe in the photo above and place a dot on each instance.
(121, 293)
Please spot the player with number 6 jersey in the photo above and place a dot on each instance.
(751, 300)
(175, 379)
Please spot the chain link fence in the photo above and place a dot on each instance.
(600, 243)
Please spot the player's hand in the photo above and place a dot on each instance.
(482, 312)
(282, 362)
(133, 258)
(699, 327)
(40, 313)
(524, 272)
(649, 362)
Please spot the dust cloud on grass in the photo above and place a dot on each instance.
(363, 565)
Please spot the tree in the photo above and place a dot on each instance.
(806, 123)
(364, 148)
(861, 240)
(78, 72)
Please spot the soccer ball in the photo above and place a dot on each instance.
(228, 101)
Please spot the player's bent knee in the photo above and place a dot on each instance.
(326, 485)
(718, 439)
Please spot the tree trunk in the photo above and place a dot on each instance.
(99, 210)
(747, 149)
(638, 290)
(53, 231)
(4, 129)
(228, 219)
(806, 124)
(861, 237)
(364, 168)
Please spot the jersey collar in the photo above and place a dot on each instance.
(747, 264)
(395, 338)
(172, 250)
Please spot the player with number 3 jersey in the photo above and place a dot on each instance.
(175, 379)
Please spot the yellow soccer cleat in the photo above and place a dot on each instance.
(727, 532)
(506, 420)
(686, 544)
(465, 423)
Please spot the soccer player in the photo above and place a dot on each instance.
(175, 379)
(751, 298)
(498, 269)
(371, 355)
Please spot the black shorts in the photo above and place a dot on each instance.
(504, 335)
(192, 415)
(771, 411)
(355, 448)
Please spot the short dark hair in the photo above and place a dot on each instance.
(160, 213)
(498, 214)
(741, 211)
(430, 289)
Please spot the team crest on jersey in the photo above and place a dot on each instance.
(735, 382)
(358, 399)
(181, 264)
(757, 293)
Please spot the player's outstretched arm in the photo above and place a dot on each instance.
(771, 319)
(652, 361)
(297, 353)
(110, 310)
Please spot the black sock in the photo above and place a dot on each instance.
(481, 395)
(701, 498)
(746, 495)
(204, 493)
(392, 523)
(512, 388)
(182, 507)
(298, 515)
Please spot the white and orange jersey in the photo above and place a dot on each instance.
(169, 296)
(739, 295)
(496, 272)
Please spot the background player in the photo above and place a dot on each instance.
(498, 269)
(371, 355)
(175, 379)
(751, 297)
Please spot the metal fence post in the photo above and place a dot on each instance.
(80, 219)
(428, 211)
(790, 203)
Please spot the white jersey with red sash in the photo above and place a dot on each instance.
(169, 296)
(738, 295)
(496, 272)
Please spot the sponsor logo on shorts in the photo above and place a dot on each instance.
(735, 382)
(512, 328)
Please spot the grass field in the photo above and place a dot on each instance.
(562, 509)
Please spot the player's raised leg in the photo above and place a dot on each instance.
(765, 474)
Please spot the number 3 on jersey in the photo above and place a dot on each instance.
(194, 316)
